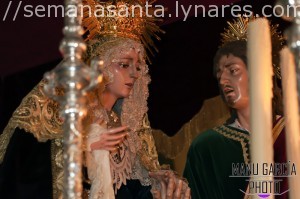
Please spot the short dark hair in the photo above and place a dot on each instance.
(236, 48)
(239, 49)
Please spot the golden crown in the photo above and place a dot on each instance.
(122, 18)
(237, 30)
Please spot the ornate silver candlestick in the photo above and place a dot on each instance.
(75, 78)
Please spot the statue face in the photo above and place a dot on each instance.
(125, 69)
(232, 76)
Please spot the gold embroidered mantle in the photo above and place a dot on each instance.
(37, 114)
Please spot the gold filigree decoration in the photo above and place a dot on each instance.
(237, 30)
(57, 167)
(148, 154)
(244, 138)
(37, 114)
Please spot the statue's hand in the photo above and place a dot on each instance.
(171, 186)
(110, 139)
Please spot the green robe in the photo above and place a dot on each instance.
(209, 163)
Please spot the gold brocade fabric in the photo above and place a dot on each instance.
(148, 153)
(37, 114)
(57, 168)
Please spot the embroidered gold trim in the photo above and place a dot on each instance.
(237, 136)
(57, 167)
(4, 140)
(148, 153)
(37, 114)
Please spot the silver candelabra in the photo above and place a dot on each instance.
(75, 78)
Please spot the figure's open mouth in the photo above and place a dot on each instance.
(228, 90)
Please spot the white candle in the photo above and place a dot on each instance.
(260, 75)
(291, 108)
